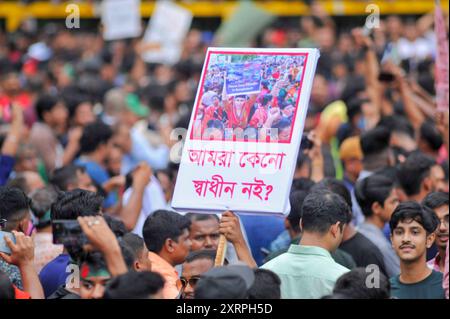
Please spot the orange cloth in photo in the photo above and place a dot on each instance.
(168, 272)
(235, 121)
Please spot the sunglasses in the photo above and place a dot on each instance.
(191, 281)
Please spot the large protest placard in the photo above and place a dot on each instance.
(441, 77)
(241, 149)
(166, 32)
(121, 19)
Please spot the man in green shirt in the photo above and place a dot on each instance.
(307, 270)
(412, 232)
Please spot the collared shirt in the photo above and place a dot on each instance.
(434, 263)
(168, 272)
(376, 236)
(306, 272)
(44, 250)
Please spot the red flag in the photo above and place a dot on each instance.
(441, 76)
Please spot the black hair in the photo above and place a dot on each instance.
(302, 184)
(44, 104)
(413, 171)
(296, 200)
(94, 135)
(196, 217)
(396, 123)
(353, 285)
(74, 101)
(413, 211)
(134, 285)
(66, 175)
(135, 243)
(372, 189)
(266, 285)
(390, 172)
(435, 200)
(162, 225)
(71, 205)
(209, 254)
(375, 141)
(354, 107)
(335, 186)
(41, 202)
(128, 255)
(430, 134)
(116, 225)
(15, 204)
(353, 86)
(6, 288)
(323, 209)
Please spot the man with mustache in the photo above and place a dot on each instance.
(413, 229)
(438, 202)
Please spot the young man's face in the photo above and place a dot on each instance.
(122, 139)
(58, 116)
(389, 205)
(84, 114)
(182, 247)
(191, 273)
(115, 160)
(204, 234)
(410, 241)
(93, 283)
(442, 230)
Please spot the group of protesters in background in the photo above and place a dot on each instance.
(85, 136)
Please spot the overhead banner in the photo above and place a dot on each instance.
(245, 131)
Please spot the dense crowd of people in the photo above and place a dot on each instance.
(87, 177)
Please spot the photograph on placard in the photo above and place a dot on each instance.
(249, 97)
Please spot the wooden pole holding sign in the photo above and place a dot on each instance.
(221, 251)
